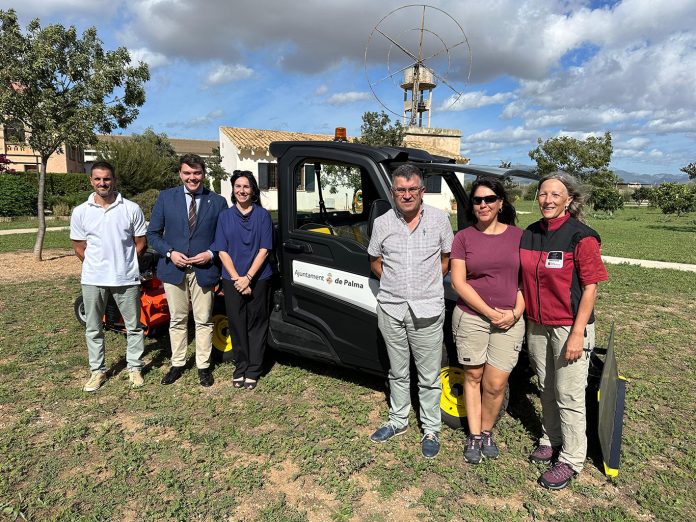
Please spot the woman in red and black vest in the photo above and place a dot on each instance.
(561, 266)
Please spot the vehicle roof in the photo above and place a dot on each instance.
(403, 155)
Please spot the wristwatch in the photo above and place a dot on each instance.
(169, 253)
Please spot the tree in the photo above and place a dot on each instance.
(63, 89)
(690, 169)
(642, 194)
(587, 160)
(675, 198)
(214, 169)
(580, 158)
(4, 162)
(377, 131)
(141, 161)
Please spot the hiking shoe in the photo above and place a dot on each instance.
(95, 381)
(472, 451)
(430, 445)
(386, 432)
(542, 454)
(488, 447)
(558, 476)
(136, 378)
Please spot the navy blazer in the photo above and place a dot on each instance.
(168, 229)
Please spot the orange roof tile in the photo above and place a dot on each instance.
(259, 139)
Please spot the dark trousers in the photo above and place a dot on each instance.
(247, 319)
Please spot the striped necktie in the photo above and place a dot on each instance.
(192, 212)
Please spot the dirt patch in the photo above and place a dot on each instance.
(20, 267)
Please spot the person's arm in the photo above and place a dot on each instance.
(510, 317)
(243, 282)
(140, 245)
(576, 339)
(79, 248)
(467, 292)
(376, 266)
(226, 261)
(445, 262)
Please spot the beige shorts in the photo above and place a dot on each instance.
(479, 342)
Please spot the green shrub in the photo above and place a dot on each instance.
(674, 198)
(530, 192)
(606, 199)
(69, 200)
(64, 184)
(146, 200)
(642, 194)
(18, 197)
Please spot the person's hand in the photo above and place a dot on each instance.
(241, 284)
(574, 346)
(506, 319)
(200, 259)
(179, 259)
(247, 291)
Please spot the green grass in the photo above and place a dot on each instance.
(636, 232)
(20, 242)
(32, 222)
(297, 447)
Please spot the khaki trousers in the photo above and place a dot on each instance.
(201, 298)
(562, 385)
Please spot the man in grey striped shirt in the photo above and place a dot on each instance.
(409, 253)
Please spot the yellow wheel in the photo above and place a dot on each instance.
(452, 405)
(222, 343)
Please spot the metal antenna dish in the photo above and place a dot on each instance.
(419, 57)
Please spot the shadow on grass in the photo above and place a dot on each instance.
(690, 229)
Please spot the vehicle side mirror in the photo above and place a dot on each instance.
(378, 207)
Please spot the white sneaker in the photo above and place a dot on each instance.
(136, 378)
(95, 382)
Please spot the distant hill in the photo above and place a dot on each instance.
(654, 179)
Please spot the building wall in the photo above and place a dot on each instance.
(24, 158)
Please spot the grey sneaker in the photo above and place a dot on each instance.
(472, 451)
(488, 447)
(136, 378)
(543, 454)
(430, 445)
(558, 476)
(95, 382)
(386, 432)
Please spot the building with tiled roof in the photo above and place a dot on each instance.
(248, 149)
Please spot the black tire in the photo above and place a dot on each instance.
(222, 344)
(79, 308)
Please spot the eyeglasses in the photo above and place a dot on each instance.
(401, 191)
(488, 199)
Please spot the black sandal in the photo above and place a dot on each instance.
(238, 383)
(250, 384)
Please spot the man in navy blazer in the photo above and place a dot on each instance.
(182, 228)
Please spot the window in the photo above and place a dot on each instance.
(433, 184)
(338, 205)
(14, 132)
(268, 176)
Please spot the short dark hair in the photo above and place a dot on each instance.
(407, 170)
(507, 215)
(102, 165)
(256, 197)
(192, 160)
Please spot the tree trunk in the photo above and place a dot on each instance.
(38, 246)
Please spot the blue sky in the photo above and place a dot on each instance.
(539, 68)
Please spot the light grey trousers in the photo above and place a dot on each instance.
(562, 385)
(127, 299)
(422, 338)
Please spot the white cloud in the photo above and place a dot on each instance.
(198, 121)
(228, 73)
(154, 60)
(321, 90)
(635, 143)
(474, 100)
(342, 98)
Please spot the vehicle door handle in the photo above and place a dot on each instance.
(297, 248)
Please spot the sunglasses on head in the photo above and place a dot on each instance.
(488, 199)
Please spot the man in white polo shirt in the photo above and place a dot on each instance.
(108, 235)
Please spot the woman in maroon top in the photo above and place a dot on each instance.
(561, 267)
(486, 323)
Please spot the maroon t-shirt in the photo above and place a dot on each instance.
(492, 265)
